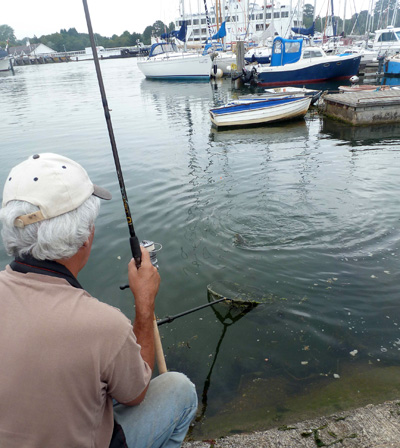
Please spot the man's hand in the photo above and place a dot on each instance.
(144, 283)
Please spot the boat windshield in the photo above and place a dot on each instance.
(163, 48)
(389, 36)
(312, 53)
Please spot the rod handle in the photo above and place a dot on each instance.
(135, 249)
(160, 359)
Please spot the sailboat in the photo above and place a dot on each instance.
(166, 61)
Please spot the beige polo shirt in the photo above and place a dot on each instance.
(63, 357)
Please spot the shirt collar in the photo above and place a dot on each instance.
(27, 263)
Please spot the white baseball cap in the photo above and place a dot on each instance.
(53, 183)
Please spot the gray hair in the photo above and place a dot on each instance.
(52, 239)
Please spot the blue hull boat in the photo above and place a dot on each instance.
(392, 67)
(291, 65)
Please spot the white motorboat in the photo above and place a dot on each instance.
(245, 112)
(165, 61)
(5, 61)
(387, 40)
(5, 64)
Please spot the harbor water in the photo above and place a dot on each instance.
(301, 216)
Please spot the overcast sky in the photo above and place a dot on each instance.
(29, 17)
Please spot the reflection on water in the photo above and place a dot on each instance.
(390, 81)
(376, 136)
(271, 133)
(305, 212)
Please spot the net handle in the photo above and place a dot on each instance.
(169, 319)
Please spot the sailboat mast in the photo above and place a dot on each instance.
(344, 17)
(183, 21)
(217, 14)
(248, 18)
(223, 17)
(334, 28)
(265, 15)
(394, 16)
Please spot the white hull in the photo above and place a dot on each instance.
(280, 112)
(176, 66)
(4, 64)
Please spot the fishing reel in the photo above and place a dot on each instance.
(153, 248)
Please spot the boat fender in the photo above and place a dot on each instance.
(217, 74)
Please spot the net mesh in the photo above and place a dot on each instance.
(232, 301)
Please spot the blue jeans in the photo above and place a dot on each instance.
(164, 416)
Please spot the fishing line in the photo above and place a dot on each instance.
(133, 240)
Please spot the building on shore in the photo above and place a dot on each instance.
(243, 21)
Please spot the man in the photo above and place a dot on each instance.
(65, 357)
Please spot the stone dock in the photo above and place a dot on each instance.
(364, 107)
(372, 426)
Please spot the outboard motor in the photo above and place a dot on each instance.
(249, 76)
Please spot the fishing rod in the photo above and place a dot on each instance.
(133, 239)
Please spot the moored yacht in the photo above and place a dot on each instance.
(5, 61)
(387, 40)
(165, 61)
(293, 64)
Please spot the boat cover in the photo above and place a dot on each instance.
(162, 47)
(305, 31)
(180, 35)
(221, 32)
(285, 51)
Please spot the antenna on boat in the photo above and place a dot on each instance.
(134, 241)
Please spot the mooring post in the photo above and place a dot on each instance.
(240, 55)
(236, 74)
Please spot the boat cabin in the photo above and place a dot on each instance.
(285, 51)
(387, 39)
(162, 47)
(313, 52)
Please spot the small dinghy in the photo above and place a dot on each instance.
(259, 110)
(296, 91)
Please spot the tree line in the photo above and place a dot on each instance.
(382, 16)
(71, 40)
